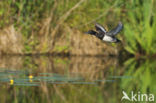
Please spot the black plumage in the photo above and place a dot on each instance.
(103, 35)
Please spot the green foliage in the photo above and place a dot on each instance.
(139, 31)
(28, 16)
(61, 48)
(138, 17)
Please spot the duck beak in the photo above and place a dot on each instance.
(92, 32)
(118, 41)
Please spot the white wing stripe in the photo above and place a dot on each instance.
(99, 26)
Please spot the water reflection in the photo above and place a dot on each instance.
(24, 78)
(81, 79)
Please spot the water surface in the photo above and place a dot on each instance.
(73, 79)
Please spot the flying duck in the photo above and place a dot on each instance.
(103, 35)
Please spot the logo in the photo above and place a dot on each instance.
(137, 97)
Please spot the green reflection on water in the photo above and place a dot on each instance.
(143, 72)
(80, 79)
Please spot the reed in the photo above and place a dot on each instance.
(140, 28)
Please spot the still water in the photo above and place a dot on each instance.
(49, 79)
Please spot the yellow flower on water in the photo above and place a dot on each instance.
(30, 76)
(11, 82)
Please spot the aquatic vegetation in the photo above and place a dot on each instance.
(60, 80)
(75, 79)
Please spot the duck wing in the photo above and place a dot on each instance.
(116, 30)
(100, 28)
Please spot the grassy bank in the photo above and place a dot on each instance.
(58, 26)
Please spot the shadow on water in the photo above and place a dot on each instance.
(68, 79)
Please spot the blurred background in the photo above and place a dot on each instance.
(43, 48)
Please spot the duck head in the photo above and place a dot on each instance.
(91, 32)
